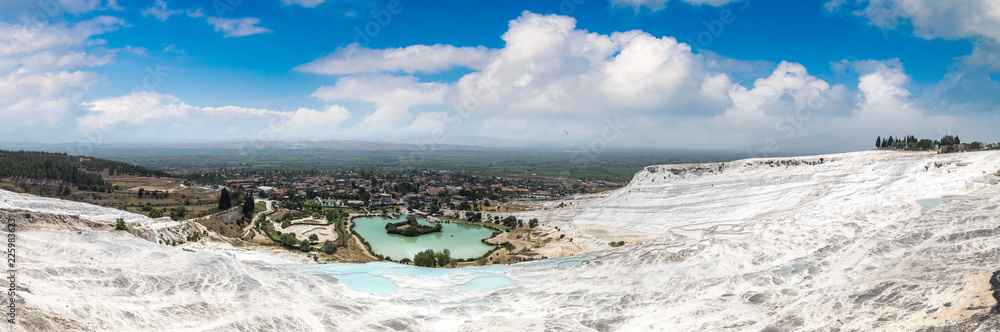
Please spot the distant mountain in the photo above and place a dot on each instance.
(333, 145)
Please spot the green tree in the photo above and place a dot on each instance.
(304, 246)
(248, 206)
(224, 201)
(533, 222)
(313, 237)
(178, 213)
(443, 258)
(328, 247)
(975, 146)
(424, 258)
(155, 213)
(287, 239)
(878, 142)
(120, 224)
(925, 144)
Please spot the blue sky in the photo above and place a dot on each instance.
(629, 73)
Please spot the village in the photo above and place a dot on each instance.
(318, 211)
(417, 189)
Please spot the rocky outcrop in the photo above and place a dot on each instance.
(173, 233)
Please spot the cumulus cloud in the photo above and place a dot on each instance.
(549, 76)
(160, 11)
(966, 89)
(549, 67)
(884, 103)
(30, 99)
(147, 114)
(788, 91)
(40, 84)
(237, 27)
(355, 59)
(972, 19)
(303, 3)
(930, 19)
(392, 96)
(658, 5)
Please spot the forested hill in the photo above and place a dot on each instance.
(78, 170)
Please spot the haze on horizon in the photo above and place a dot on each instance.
(633, 73)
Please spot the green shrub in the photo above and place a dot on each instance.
(120, 224)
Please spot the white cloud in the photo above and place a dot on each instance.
(788, 91)
(160, 11)
(41, 99)
(307, 121)
(237, 27)
(417, 58)
(549, 67)
(392, 96)
(22, 39)
(53, 61)
(56, 8)
(972, 19)
(966, 89)
(931, 19)
(150, 115)
(39, 82)
(134, 109)
(303, 3)
(113, 5)
(885, 104)
(196, 13)
(657, 5)
(78, 6)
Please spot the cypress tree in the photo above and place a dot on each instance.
(224, 202)
(248, 206)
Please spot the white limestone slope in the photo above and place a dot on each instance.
(695, 201)
(27, 202)
(837, 245)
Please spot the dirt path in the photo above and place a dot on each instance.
(357, 241)
(269, 207)
(512, 238)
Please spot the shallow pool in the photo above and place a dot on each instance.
(378, 277)
(464, 241)
(930, 203)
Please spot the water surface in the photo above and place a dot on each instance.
(464, 241)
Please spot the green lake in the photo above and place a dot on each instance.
(464, 244)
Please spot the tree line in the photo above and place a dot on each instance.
(81, 171)
(912, 143)
(411, 228)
